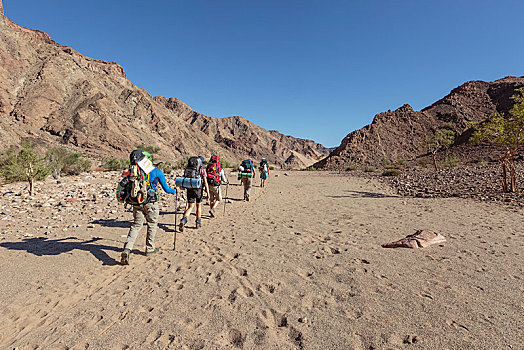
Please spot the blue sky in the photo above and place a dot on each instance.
(315, 69)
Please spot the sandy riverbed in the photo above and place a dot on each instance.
(299, 267)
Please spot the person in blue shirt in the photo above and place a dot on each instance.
(149, 213)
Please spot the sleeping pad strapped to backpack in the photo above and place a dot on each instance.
(246, 168)
(135, 188)
(213, 169)
(192, 177)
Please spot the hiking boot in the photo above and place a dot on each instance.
(182, 224)
(211, 213)
(124, 260)
(151, 252)
(198, 223)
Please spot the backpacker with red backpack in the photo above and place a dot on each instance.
(213, 169)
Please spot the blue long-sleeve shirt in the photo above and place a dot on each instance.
(157, 176)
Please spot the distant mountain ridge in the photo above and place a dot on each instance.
(54, 95)
(401, 134)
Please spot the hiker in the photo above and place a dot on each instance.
(195, 170)
(246, 174)
(139, 188)
(215, 177)
(264, 171)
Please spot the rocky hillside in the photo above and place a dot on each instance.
(52, 94)
(401, 134)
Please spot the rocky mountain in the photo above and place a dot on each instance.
(401, 134)
(52, 94)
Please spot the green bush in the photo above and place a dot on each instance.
(167, 167)
(399, 164)
(150, 149)
(311, 168)
(451, 161)
(115, 164)
(370, 169)
(226, 164)
(76, 164)
(391, 172)
(61, 161)
(351, 168)
(181, 163)
(271, 168)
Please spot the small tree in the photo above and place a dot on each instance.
(19, 164)
(441, 139)
(504, 131)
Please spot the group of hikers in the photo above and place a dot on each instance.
(139, 188)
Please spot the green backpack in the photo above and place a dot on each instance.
(135, 187)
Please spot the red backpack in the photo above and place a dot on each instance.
(214, 167)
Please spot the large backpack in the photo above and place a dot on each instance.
(247, 166)
(135, 188)
(194, 165)
(262, 163)
(213, 169)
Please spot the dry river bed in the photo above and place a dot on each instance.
(298, 267)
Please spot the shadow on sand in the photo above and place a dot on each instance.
(112, 223)
(360, 194)
(41, 246)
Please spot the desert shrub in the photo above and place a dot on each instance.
(271, 168)
(351, 168)
(422, 163)
(150, 149)
(370, 169)
(399, 164)
(483, 163)
(23, 164)
(115, 164)
(76, 164)
(311, 168)
(167, 167)
(391, 172)
(227, 164)
(451, 161)
(61, 161)
(181, 163)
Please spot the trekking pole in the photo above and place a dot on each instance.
(176, 211)
(225, 199)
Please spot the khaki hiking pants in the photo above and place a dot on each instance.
(248, 183)
(148, 212)
(215, 193)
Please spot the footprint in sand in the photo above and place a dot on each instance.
(266, 288)
(456, 325)
(236, 338)
(296, 337)
(271, 318)
(246, 292)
